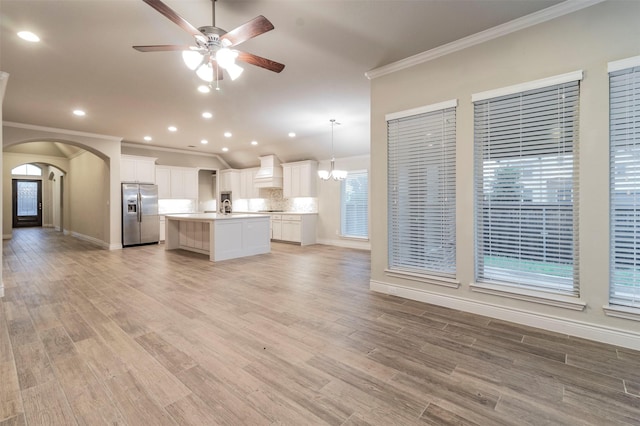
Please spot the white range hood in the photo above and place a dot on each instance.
(270, 173)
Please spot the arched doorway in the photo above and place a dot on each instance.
(37, 195)
(96, 169)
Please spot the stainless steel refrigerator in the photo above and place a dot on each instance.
(140, 220)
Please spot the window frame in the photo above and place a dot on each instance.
(439, 268)
(343, 206)
(556, 294)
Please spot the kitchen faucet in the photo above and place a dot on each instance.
(223, 208)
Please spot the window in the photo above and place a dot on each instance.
(422, 189)
(526, 145)
(624, 140)
(354, 205)
(27, 170)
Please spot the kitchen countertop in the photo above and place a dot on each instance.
(270, 213)
(213, 216)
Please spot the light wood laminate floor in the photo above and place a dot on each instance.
(146, 337)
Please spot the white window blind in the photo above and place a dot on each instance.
(624, 128)
(354, 205)
(421, 191)
(526, 188)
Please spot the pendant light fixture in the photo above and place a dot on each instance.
(332, 173)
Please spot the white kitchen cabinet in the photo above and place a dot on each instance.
(247, 186)
(177, 182)
(294, 228)
(184, 182)
(137, 169)
(230, 181)
(163, 222)
(163, 180)
(276, 227)
(300, 179)
(291, 230)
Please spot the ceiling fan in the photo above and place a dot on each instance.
(213, 51)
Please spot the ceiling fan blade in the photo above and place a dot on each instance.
(256, 60)
(174, 17)
(255, 27)
(161, 48)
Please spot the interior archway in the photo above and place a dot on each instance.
(90, 156)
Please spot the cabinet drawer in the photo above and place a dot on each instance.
(292, 217)
(276, 216)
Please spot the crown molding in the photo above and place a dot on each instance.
(518, 24)
(176, 150)
(59, 131)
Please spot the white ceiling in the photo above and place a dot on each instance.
(85, 60)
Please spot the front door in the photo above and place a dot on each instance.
(27, 203)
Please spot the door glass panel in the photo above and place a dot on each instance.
(27, 198)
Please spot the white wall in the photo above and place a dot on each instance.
(328, 227)
(4, 77)
(584, 40)
(88, 198)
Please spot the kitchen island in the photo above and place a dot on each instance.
(221, 236)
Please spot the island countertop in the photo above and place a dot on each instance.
(213, 216)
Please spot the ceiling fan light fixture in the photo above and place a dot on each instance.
(205, 72)
(226, 57)
(234, 71)
(192, 58)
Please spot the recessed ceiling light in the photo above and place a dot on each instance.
(227, 134)
(292, 135)
(207, 114)
(203, 89)
(28, 36)
(204, 141)
(225, 149)
(172, 128)
(79, 112)
(254, 142)
(147, 138)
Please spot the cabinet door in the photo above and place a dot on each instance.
(127, 170)
(276, 229)
(145, 171)
(291, 231)
(308, 180)
(177, 184)
(190, 180)
(163, 180)
(286, 181)
(296, 188)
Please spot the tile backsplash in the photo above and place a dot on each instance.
(273, 200)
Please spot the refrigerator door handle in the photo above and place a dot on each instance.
(139, 208)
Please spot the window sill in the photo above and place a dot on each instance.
(349, 237)
(429, 279)
(557, 300)
(624, 312)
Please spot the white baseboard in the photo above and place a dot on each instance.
(347, 243)
(115, 246)
(600, 333)
(7, 236)
(87, 238)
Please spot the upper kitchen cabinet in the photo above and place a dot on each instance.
(137, 169)
(177, 182)
(248, 188)
(300, 179)
(230, 181)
